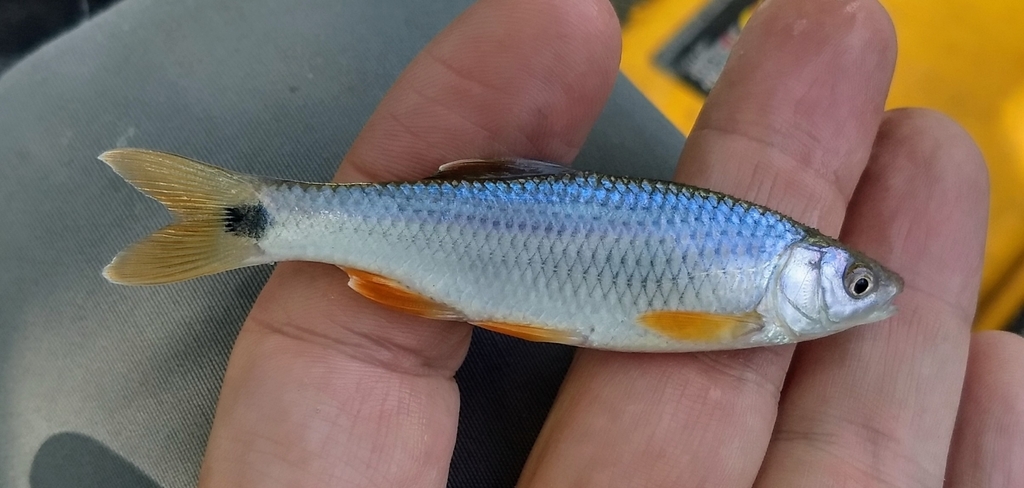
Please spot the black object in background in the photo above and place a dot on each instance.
(70, 459)
(698, 53)
(622, 8)
(26, 24)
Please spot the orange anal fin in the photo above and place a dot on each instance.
(531, 332)
(701, 327)
(387, 291)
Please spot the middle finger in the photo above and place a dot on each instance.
(876, 406)
(790, 125)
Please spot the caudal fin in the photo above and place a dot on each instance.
(218, 219)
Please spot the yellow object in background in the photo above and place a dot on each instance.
(964, 58)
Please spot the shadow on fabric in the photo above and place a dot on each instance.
(71, 459)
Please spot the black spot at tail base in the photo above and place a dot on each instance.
(247, 220)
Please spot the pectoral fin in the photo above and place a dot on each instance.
(387, 291)
(531, 332)
(701, 327)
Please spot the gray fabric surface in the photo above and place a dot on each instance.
(112, 386)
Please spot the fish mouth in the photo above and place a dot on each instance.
(886, 311)
(883, 312)
(889, 310)
(891, 287)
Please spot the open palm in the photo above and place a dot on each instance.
(326, 388)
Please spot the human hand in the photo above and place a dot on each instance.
(326, 388)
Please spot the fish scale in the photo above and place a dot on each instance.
(612, 279)
(527, 248)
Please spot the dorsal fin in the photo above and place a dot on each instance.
(497, 169)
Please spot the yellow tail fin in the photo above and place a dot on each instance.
(218, 219)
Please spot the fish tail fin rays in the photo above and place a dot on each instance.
(218, 219)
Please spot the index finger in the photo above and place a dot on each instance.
(323, 386)
(790, 125)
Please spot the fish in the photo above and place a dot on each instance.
(526, 248)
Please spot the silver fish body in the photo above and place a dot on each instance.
(552, 254)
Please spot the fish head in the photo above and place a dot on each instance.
(823, 288)
(857, 289)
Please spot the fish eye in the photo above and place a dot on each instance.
(859, 281)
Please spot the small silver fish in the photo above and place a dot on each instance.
(526, 248)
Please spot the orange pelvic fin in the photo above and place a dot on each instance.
(387, 291)
(701, 326)
(531, 332)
